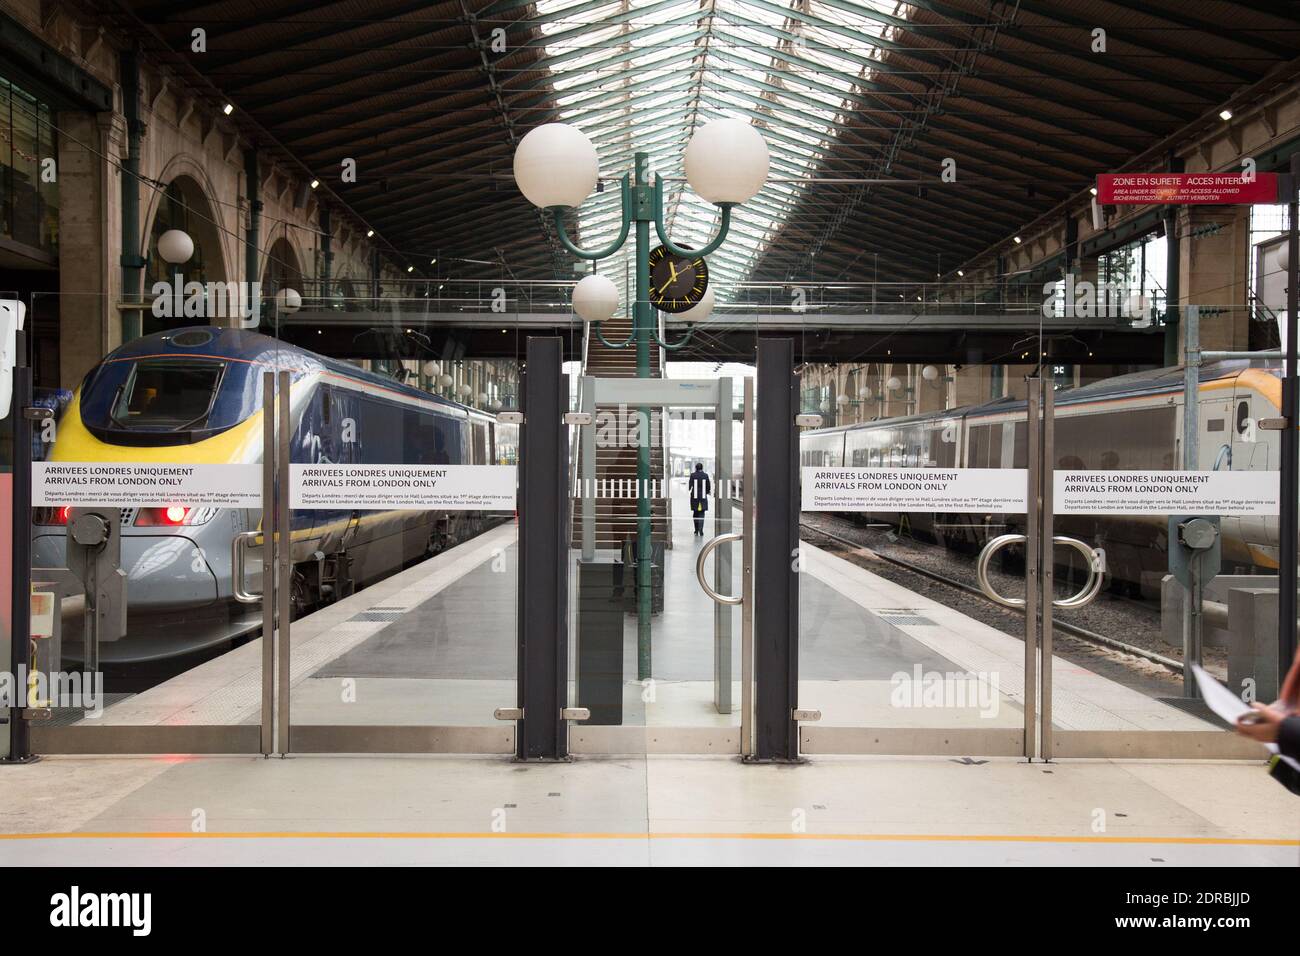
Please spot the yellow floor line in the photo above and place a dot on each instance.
(864, 837)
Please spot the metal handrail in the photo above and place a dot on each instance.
(704, 556)
(238, 556)
(1085, 596)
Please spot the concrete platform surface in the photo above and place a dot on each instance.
(641, 811)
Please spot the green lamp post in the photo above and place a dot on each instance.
(556, 168)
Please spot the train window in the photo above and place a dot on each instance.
(1243, 416)
(1214, 425)
(325, 405)
(168, 394)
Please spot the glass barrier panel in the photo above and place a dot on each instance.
(402, 477)
(901, 488)
(1172, 482)
(145, 529)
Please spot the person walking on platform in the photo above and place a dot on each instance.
(700, 486)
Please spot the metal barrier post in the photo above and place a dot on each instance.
(268, 563)
(20, 621)
(1191, 461)
(543, 641)
(1047, 541)
(776, 623)
(284, 556)
(1289, 479)
(747, 576)
(1032, 537)
(722, 565)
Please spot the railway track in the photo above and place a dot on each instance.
(1074, 630)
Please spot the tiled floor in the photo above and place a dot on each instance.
(643, 810)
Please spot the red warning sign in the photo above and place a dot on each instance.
(1141, 189)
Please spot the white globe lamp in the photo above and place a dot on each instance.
(556, 165)
(842, 399)
(595, 298)
(929, 373)
(444, 379)
(893, 383)
(864, 392)
(288, 301)
(700, 310)
(175, 246)
(726, 162)
(1283, 257)
(465, 390)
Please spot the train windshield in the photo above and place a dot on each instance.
(168, 394)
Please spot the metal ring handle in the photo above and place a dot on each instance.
(982, 568)
(238, 552)
(704, 556)
(1092, 587)
(1085, 596)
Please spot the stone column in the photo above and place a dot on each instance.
(1215, 257)
(90, 275)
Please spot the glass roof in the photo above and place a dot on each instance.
(640, 75)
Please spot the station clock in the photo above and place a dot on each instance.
(676, 282)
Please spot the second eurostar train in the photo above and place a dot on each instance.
(1130, 422)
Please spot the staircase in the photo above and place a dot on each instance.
(616, 517)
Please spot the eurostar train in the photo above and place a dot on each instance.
(194, 395)
(1128, 422)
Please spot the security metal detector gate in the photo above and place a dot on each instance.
(687, 702)
(644, 695)
(715, 395)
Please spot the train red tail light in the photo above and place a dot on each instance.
(50, 516)
(170, 517)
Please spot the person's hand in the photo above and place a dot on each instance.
(1262, 724)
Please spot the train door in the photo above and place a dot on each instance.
(146, 531)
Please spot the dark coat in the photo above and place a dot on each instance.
(700, 486)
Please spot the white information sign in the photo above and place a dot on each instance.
(403, 487)
(951, 490)
(1225, 493)
(146, 485)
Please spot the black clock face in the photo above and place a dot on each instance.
(676, 282)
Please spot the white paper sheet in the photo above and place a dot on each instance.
(1225, 703)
